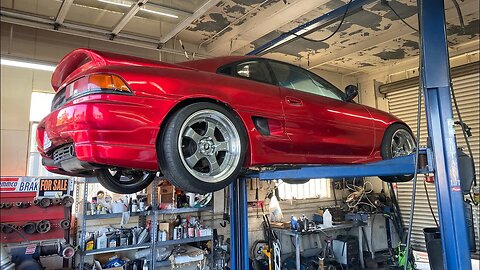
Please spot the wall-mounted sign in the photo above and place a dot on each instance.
(49, 186)
(43, 186)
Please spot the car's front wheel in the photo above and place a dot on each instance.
(124, 181)
(202, 147)
(397, 141)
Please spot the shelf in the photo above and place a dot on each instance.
(88, 180)
(184, 210)
(184, 241)
(117, 249)
(147, 245)
(146, 213)
(116, 215)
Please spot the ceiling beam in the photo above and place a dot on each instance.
(127, 17)
(190, 19)
(264, 22)
(13, 17)
(62, 12)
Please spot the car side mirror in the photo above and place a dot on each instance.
(351, 91)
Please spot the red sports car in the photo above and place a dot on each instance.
(199, 123)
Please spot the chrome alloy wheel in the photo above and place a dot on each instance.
(402, 144)
(127, 177)
(209, 146)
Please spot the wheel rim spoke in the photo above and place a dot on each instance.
(221, 146)
(213, 164)
(117, 175)
(193, 159)
(210, 132)
(192, 134)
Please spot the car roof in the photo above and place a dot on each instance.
(212, 64)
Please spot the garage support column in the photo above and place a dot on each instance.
(239, 225)
(436, 87)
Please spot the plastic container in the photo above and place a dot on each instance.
(434, 247)
(327, 219)
(102, 241)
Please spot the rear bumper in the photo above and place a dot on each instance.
(89, 156)
(105, 131)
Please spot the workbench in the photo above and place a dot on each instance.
(320, 229)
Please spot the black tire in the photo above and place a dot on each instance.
(124, 182)
(386, 151)
(170, 160)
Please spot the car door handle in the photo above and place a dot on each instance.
(294, 101)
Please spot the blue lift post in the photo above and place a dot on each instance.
(436, 87)
(239, 225)
(436, 84)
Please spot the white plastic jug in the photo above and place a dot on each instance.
(102, 241)
(327, 219)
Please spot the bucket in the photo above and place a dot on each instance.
(434, 247)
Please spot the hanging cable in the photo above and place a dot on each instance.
(419, 111)
(459, 12)
(430, 203)
(385, 2)
(332, 34)
(465, 137)
(414, 188)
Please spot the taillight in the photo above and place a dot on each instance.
(96, 83)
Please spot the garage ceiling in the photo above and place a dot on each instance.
(372, 37)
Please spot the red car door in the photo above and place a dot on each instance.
(321, 125)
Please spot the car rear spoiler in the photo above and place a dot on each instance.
(82, 59)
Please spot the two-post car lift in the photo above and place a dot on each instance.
(442, 156)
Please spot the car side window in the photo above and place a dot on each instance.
(253, 70)
(299, 79)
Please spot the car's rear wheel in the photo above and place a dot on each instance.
(397, 141)
(124, 181)
(202, 147)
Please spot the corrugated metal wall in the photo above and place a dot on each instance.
(402, 97)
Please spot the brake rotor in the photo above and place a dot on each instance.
(30, 228)
(43, 226)
(65, 224)
(67, 201)
(45, 202)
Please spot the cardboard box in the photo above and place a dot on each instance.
(166, 198)
(167, 189)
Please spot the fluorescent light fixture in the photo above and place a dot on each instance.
(115, 3)
(159, 13)
(26, 64)
(125, 4)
